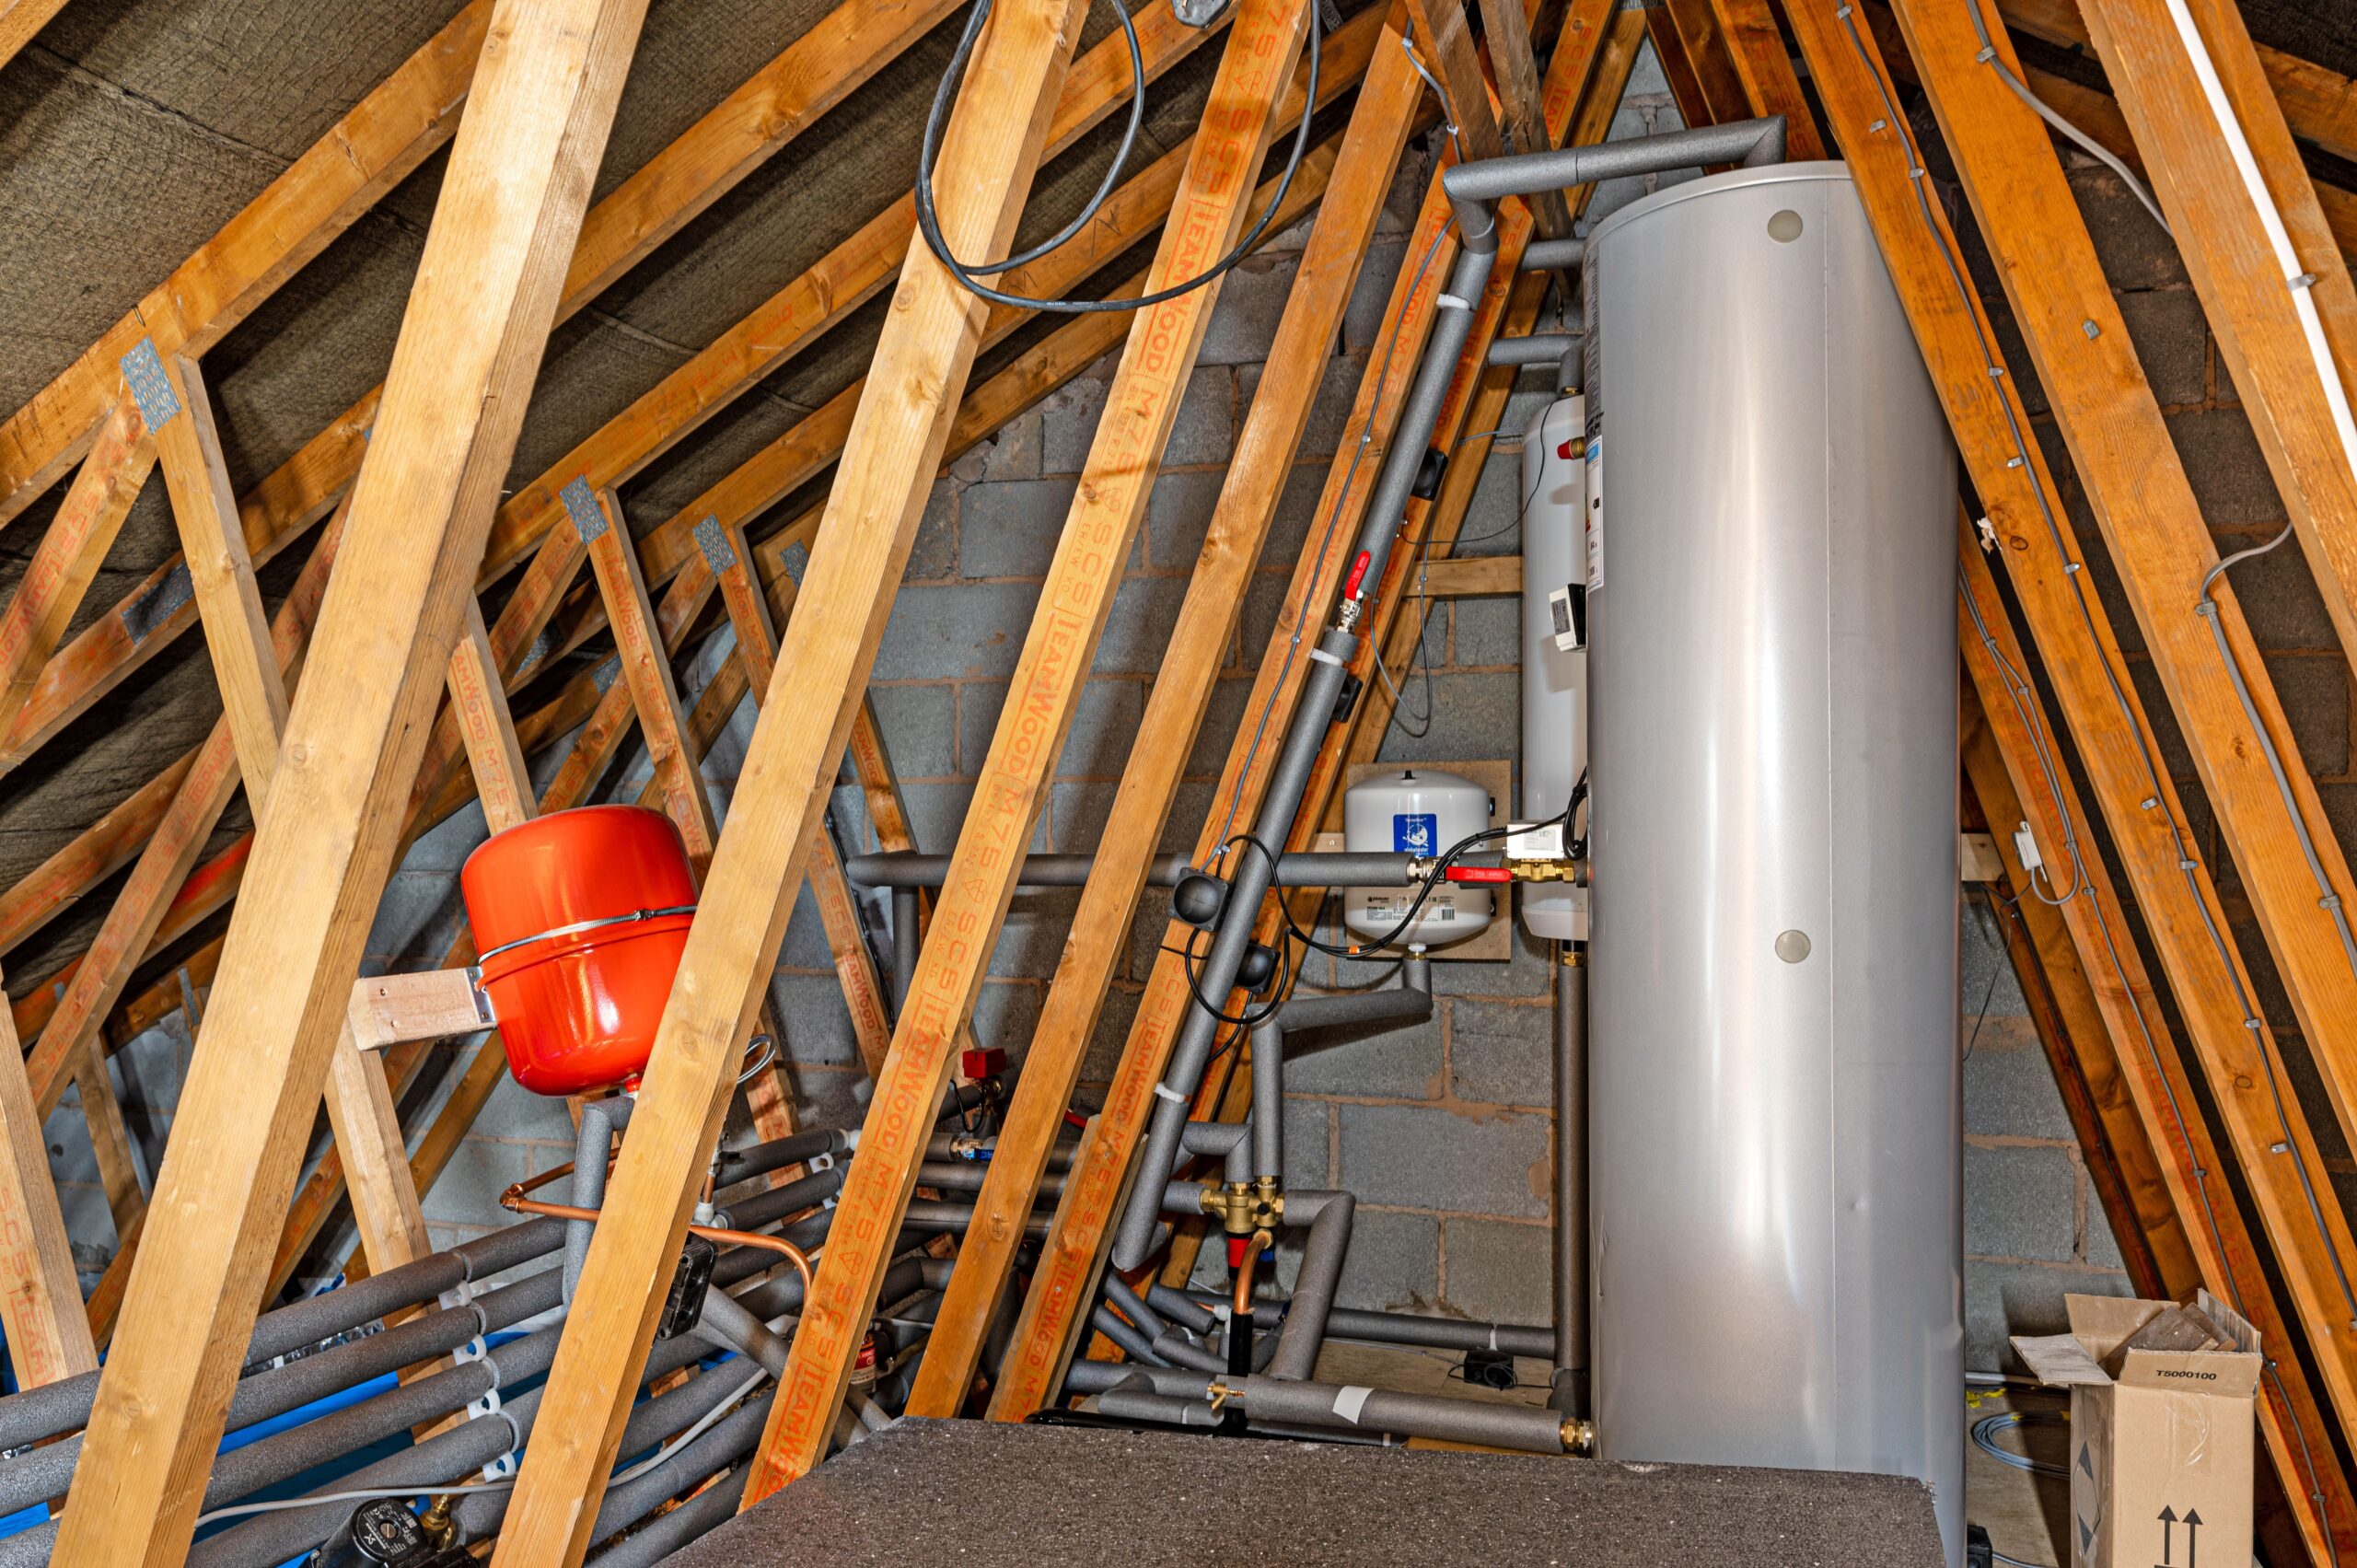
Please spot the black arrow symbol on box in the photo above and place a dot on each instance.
(2192, 1536)
(2168, 1537)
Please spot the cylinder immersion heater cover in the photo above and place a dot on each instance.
(578, 1010)
(1415, 811)
(1775, 1157)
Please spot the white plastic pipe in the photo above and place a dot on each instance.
(2295, 278)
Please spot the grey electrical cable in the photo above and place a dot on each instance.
(2039, 106)
(2018, 691)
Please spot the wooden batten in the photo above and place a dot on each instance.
(989, 153)
(1100, 928)
(2070, 628)
(471, 340)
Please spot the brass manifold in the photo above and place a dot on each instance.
(1244, 1207)
(1565, 870)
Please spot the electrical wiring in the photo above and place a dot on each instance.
(2039, 106)
(971, 275)
(2024, 700)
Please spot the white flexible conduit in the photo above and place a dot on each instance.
(2299, 282)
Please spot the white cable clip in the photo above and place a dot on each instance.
(2025, 846)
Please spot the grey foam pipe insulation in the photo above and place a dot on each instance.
(45, 1473)
(1318, 869)
(273, 1538)
(707, 1510)
(64, 1406)
(1473, 190)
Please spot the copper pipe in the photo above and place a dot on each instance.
(1260, 1241)
(513, 1199)
(532, 1183)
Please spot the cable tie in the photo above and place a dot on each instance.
(1166, 1092)
(1322, 656)
(1450, 302)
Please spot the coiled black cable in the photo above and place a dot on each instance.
(929, 220)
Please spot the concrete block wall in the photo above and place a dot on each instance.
(1445, 1131)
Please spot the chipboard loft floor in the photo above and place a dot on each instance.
(931, 1494)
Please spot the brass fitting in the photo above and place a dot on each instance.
(1579, 1436)
(436, 1524)
(1566, 870)
(1244, 1207)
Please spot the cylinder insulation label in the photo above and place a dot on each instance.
(1593, 519)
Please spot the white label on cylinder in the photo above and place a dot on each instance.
(1595, 514)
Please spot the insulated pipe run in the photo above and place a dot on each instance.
(1386, 1327)
(1471, 189)
(1268, 1100)
(1569, 1396)
(905, 903)
(592, 1145)
(1564, 255)
(1329, 1217)
(1268, 1400)
(1319, 869)
(1539, 348)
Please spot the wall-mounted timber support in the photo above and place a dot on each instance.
(221, 572)
(486, 727)
(1380, 122)
(71, 551)
(41, 1299)
(476, 324)
(731, 560)
(988, 156)
(646, 675)
(1593, 53)
(2072, 630)
(1239, 121)
(2267, 279)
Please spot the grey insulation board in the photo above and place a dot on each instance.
(925, 1494)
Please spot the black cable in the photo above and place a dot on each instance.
(1249, 1019)
(929, 221)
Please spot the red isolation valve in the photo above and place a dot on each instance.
(1480, 873)
(978, 1064)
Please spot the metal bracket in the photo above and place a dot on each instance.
(713, 540)
(143, 372)
(581, 506)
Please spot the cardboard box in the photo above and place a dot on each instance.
(2161, 1444)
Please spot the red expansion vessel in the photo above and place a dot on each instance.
(579, 918)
